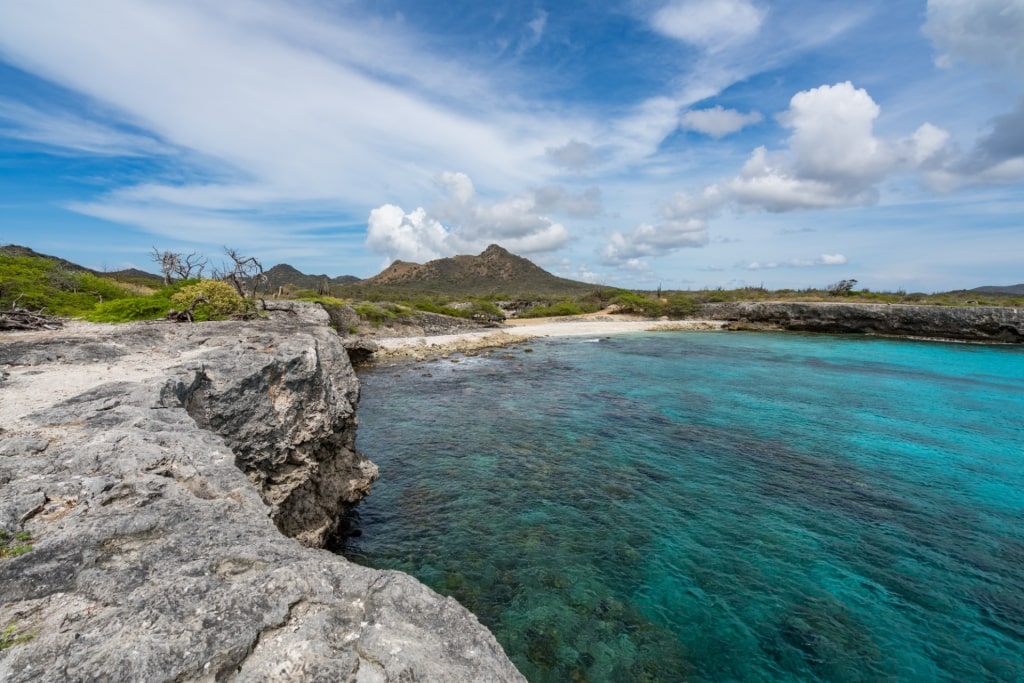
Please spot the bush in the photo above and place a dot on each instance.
(556, 309)
(640, 304)
(38, 283)
(374, 314)
(680, 306)
(128, 310)
(222, 299)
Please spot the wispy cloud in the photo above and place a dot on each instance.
(71, 133)
(822, 260)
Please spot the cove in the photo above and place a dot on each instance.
(712, 506)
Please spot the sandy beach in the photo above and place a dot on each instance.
(517, 331)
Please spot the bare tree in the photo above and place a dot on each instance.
(168, 261)
(246, 271)
(190, 265)
(182, 266)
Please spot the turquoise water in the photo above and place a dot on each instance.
(713, 506)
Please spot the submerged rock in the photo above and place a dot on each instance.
(155, 474)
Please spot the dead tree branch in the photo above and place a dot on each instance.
(188, 314)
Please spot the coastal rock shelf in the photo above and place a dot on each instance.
(174, 481)
(962, 323)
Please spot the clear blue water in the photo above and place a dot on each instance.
(713, 506)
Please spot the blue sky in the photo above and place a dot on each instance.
(681, 143)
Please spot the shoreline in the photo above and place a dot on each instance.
(420, 348)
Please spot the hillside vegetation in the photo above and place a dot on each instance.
(491, 286)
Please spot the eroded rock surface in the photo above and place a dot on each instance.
(155, 467)
(963, 323)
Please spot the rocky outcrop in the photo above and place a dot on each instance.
(154, 469)
(962, 323)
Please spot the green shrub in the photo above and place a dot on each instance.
(559, 308)
(680, 306)
(222, 299)
(37, 283)
(640, 304)
(135, 308)
(373, 313)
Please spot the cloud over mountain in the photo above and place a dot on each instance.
(461, 223)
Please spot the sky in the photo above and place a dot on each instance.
(685, 144)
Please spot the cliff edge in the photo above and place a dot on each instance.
(169, 486)
(993, 324)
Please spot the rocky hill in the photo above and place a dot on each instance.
(495, 271)
(283, 274)
(1008, 290)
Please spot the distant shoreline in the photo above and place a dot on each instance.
(521, 331)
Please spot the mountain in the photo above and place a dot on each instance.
(284, 274)
(1009, 290)
(495, 271)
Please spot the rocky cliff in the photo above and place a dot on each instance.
(970, 323)
(170, 484)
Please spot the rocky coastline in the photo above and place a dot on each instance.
(172, 486)
(985, 324)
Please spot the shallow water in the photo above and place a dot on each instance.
(713, 506)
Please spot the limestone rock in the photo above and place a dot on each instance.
(963, 323)
(155, 471)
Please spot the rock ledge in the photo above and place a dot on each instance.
(155, 467)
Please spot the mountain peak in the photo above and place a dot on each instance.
(495, 270)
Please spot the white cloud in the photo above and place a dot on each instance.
(709, 24)
(823, 260)
(833, 157)
(997, 157)
(987, 32)
(718, 122)
(648, 240)
(831, 260)
(73, 133)
(460, 223)
(833, 137)
(274, 104)
(406, 236)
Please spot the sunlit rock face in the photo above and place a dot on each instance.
(174, 481)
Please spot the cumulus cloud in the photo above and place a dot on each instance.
(655, 240)
(574, 155)
(987, 32)
(461, 223)
(997, 157)
(709, 24)
(717, 121)
(822, 260)
(833, 157)
(683, 225)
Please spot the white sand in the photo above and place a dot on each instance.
(519, 331)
